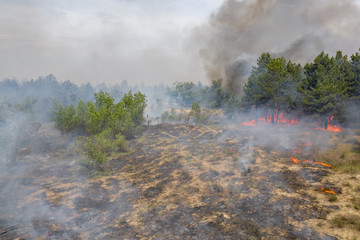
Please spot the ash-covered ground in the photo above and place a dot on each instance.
(177, 182)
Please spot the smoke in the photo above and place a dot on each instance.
(240, 31)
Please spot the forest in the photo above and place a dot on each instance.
(327, 87)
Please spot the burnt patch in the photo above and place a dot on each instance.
(209, 176)
(313, 175)
(95, 197)
(286, 180)
(45, 228)
(152, 191)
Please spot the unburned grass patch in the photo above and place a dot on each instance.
(340, 221)
(343, 157)
(356, 202)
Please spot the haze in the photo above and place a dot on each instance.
(101, 41)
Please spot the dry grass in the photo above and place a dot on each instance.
(341, 221)
(344, 156)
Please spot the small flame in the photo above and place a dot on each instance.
(280, 118)
(295, 160)
(334, 128)
(249, 123)
(326, 191)
(297, 150)
(324, 164)
(307, 143)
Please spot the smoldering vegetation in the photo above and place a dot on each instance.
(257, 159)
(236, 34)
(216, 179)
(39, 166)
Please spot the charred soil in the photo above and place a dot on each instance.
(178, 182)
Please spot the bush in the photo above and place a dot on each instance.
(65, 117)
(97, 148)
(173, 116)
(107, 123)
(126, 117)
(196, 114)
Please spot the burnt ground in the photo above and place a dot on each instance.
(178, 182)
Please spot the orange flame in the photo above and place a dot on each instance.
(295, 160)
(306, 144)
(280, 118)
(324, 164)
(334, 128)
(250, 123)
(297, 150)
(327, 191)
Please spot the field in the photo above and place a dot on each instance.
(187, 182)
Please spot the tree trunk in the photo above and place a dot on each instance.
(272, 117)
(325, 122)
(256, 114)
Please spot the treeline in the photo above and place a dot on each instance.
(39, 95)
(184, 94)
(328, 87)
(322, 89)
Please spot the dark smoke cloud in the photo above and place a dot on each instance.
(240, 31)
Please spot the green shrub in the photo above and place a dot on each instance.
(107, 124)
(332, 198)
(173, 116)
(65, 117)
(196, 114)
(97, 148)
(126, 116)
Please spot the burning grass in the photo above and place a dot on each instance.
(343, 156)
(186, 182)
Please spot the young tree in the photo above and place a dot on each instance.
(272, 84)
(184, 93)
(355, 83)
(324, 87)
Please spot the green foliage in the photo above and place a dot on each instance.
(125, 117)
(217, 95)
(81, 115)
(325, 86)
(100, 113)
(131, 109)
(350, 219)
(320, 89)
(196, 114)
(64, 117)
(173, 116)
(273, 84)
(26, 105)
(98, 147)
(184, 93)
(107, 123)
(354, 85)
(232, 106)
